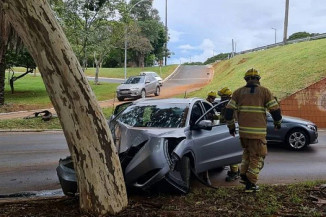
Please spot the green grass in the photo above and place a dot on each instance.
(30, 93)
(119, 72)
(38, 124)
(284, 70)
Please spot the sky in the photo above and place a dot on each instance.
(199, 29)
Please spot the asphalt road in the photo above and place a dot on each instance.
(28, 162)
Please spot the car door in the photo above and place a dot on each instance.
(153, 83)
(148, 86)
(216, 147)
(272, 134)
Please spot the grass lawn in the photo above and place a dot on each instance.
(281, 200)
(30, 93)
(119, 72)
(284, 70)
(38, 124)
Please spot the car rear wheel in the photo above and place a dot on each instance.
(185, 171)
(143, 94)
(120, 98)
(297, 139)
(157, 92)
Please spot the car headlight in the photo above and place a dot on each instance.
(134, 88)
(311, 127)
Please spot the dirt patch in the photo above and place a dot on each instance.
(10, 107)
(286, 200)
(243, 60)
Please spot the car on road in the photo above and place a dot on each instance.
(138, 87)
(155, 75)
(163, 141)
(296, 133)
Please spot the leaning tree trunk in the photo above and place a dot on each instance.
(4, 34)
(100, 180)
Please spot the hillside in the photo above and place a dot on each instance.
(284, 69)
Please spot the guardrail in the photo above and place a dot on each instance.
(320, 36)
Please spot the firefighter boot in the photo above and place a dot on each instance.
(250, 187)
(244, 180)
(232, 176)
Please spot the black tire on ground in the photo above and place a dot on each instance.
(297, 139)
(120, 98)
(185, 171)
(157, 92)
(143, 94)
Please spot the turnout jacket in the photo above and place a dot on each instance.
(250, 104)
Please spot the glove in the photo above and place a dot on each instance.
(232, 131)
(277, 126)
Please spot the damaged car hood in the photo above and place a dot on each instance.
(133, 136)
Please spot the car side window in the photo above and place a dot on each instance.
(212, 115)
(196, 113)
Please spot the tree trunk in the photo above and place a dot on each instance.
(97, 69)
(100, 180)
(4, 34)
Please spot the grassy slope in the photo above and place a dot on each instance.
(284, 69)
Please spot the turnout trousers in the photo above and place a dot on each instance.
(254, 153)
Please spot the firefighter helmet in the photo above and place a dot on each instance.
(225, 92)
(211, 94)
(252, 73)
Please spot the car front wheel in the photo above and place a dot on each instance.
(297, 139)
(157, 92)
(120, 98)
(185, 171)
(143, 94)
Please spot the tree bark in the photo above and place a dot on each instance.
(100, 180)
(4, 36)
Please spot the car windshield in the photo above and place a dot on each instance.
(135, 80)
(160, 116)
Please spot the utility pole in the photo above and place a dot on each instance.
(275, 34)
(232, 54)
(286, 21)
(166, 31)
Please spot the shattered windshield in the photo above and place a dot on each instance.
(135, 80)
(161, 116)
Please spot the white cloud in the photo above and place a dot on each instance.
(215, 23)
(187, 47)
(174, 36)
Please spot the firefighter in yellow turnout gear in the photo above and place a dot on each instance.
(225, 94)
(250, 103)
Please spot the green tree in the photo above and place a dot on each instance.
(299, 35)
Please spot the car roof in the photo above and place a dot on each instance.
(167, 101)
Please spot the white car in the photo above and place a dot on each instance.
(155, 75)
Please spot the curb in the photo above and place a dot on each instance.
(29, 130)
(167, 78)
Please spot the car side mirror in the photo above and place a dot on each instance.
(202, 125)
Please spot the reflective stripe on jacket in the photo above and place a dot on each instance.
(250, 104)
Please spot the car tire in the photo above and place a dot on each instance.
(297, 139)
(157, 92)
(143, 94)
(120, 98)
(185, 171)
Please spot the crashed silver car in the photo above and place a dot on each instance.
(164, 140)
